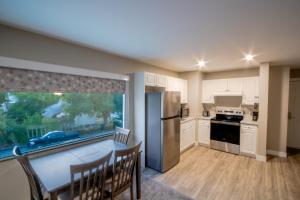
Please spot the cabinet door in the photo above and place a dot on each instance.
(187, 134)
(204, 132)
(172, 84)
(182, 139)
(219, 85)
(248, 139)
(161, 81)
(191, 133)
(184, 91)
(256, 93)
(150, 79)
(234, 84)
(207, 91)
(250, 90)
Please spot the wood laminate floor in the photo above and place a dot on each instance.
(204, 173)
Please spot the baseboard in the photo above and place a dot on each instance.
(261, 158)
(203, 145)
(248, 154)
(277, 153)
(187, 148)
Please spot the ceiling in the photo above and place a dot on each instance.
(171, 34)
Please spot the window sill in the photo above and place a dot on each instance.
(62, 147)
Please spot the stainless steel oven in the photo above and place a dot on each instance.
(225, 131)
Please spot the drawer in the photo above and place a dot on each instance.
(188, 125)
(248, 127)
(204, 122)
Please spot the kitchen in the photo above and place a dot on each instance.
(201, 96)
(206, 97)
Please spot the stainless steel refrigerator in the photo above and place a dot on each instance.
(162, 130)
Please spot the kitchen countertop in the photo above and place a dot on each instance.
(205, 118)
(183, 120)
(249, 122)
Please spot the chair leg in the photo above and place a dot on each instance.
(131, 191)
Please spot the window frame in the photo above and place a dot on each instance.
(77, 143)
(39, 66)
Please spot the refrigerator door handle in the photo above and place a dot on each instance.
(166, 118)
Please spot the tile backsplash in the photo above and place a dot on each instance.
(229, 102)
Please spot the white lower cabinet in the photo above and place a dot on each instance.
(248, 139)
(187, 134)
(204, 131)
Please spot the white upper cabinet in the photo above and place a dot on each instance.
(209, 87)
(152, 79)
(170, 83)
(248, 87)
(250, 90)
(179, 85)
(161, 81)
(234, 84)
(219, 85)
(183, 90)
(207, 91)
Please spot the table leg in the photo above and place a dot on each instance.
(53, 195)
(138, 176)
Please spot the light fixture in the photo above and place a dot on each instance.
(249, 57)
(201, 63)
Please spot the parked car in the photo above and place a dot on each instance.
(53, 136)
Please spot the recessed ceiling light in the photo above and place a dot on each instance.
(201, 63)
(249, 57)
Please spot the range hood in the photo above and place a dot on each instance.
(228, 94)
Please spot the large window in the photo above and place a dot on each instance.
(38, 120)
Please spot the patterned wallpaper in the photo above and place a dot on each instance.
(21, 80)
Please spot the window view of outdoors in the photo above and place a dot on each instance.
(35, 120)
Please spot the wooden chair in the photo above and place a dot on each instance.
(35, 187)
(122, 177)
(122, 135)
(88, 180)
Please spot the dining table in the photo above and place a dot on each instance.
(53, 170)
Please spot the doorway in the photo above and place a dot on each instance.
(293, 137)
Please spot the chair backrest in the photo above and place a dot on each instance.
(35, 188)
(122, 135)
(124, 164)
(91, 177)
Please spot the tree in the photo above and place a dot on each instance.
(77, 104)
(2, 97)
(2, 129)
(26, 110)
(103, 105)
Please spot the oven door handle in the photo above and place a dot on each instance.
(225, 123)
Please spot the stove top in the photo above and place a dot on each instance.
(228, 118)
(229, 115)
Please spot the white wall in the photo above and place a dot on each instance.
(278, 109)
(247, 72)
(139, 112)
(261, 149)
(194, 79)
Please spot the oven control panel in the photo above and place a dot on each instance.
(229, 111)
